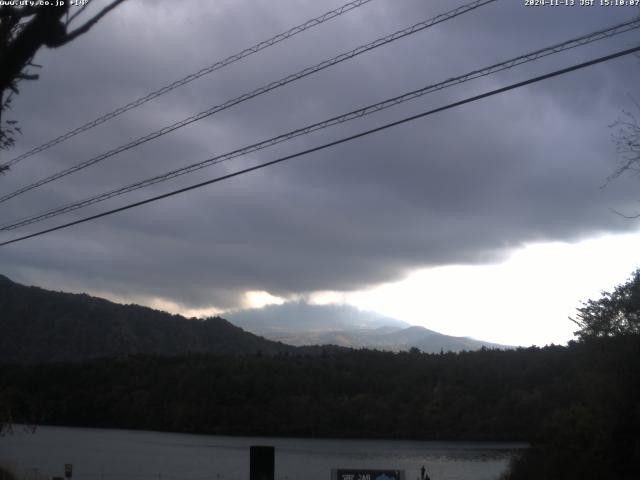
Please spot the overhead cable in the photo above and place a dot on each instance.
(247, 96)
(513, 62)
(191, 77)
(330, 144)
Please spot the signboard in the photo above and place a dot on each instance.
(68, 470)
(366, 474)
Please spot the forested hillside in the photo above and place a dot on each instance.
(38, 325)
(490, 394)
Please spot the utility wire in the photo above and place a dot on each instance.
(331, 144)
(191, 77)
(264, 89)
(529, 57)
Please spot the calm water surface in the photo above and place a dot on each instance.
(124, 454)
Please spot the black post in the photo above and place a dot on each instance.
(262, 463)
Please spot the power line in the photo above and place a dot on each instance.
(529, 57)
(331, 144)
(191, 77)
(259, 91)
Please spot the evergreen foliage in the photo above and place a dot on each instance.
(615, 313)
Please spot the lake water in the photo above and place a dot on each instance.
(124, 454)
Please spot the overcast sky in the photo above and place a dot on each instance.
(476, 221)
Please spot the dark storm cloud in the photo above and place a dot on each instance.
(464, 186)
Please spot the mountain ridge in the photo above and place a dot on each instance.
(347, 326)
(40, 325)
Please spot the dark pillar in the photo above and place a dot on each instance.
(262, 463)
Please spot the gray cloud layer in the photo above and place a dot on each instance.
(464, 186)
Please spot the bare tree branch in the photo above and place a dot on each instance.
(44, 28)
(23, 31)
(624, 215)
(78, 12)
(28, 76)
(627, 142)
(90, 23)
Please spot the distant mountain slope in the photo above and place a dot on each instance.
(38, 325)
(304, 324)
(304, 317)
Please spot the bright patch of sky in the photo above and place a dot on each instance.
(525, 300)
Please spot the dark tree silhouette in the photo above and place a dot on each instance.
(615, 313)
(23, 31)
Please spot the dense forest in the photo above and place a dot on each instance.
(582, 400)
(484, 395)
(578, 405)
